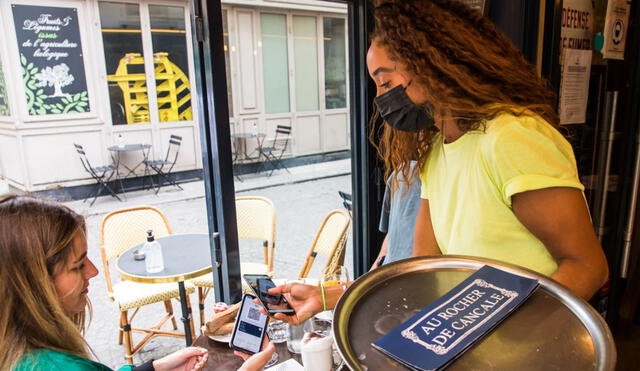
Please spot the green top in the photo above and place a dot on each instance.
(57, 361)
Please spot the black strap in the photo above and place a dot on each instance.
(147, 366)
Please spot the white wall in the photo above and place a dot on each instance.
(312, 131)
(37, 153)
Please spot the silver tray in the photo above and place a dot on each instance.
(552, 330)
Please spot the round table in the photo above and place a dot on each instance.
(186, 256)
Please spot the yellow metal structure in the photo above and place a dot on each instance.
(172, 86)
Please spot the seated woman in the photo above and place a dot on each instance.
(44, 281)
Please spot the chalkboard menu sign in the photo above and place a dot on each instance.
(4, 101)
(51, 59)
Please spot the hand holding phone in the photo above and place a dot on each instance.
(250, 328)
(273, 303)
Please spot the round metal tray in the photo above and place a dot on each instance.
(552, 330)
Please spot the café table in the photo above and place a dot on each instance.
(240, 140)
(221, 357)
(186, 256)
(116, 151)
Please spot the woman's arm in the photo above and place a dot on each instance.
(382, 253)
(424, 240)
(559, 217)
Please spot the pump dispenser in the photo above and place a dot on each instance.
(154, 261)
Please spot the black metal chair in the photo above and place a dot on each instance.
(159, 166)
(99, 173)
(273, 153)
(346, 201)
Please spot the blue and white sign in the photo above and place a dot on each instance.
(443, 330)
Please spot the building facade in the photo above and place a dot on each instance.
(87, 72)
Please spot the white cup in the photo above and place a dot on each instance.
(317, 352)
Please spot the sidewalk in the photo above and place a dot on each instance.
(301, 199)
(195, 190)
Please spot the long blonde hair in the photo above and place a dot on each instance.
(36, 240)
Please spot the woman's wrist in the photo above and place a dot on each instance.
(333, 294)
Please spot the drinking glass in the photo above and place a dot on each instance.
(294, 341)
(278, 331)
(338, 275)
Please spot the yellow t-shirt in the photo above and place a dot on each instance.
(469, 184)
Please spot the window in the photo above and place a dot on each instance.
(305, 51)
(170, 58)
(335, 63)
(122, 40)
(4, 100)
(275, 66)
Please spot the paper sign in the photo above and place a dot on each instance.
(615, 29)
(577, 25)
(574, 87)
(479, 5)
(442, 331)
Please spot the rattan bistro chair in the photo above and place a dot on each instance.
(330, 241)
(256, 219)
(119, 231)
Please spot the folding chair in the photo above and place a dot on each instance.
(273, 153)
(330, 241)
(159, 165)
(119, 231)
(98, 173)
(346, 200)
(256, 219)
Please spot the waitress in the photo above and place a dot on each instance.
(499, 180)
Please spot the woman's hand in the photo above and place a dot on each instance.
(257, 361)
(306, 301)
(187, 359)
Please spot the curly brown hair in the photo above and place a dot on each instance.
(465, 67)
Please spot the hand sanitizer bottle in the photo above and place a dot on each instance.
(154, 262)
(120, 140)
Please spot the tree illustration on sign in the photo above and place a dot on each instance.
(57, 76)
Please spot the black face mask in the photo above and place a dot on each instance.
(401, 113)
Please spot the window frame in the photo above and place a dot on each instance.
(149, 67)
(216, 144)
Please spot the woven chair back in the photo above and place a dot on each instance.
(123, 229)
(331, 232)
(256, 218)
(330, 241)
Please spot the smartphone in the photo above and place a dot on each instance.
(260, 285)
(250, 328)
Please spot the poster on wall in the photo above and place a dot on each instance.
(576, 30)
(615, 29)
(4, 100)
(51, 59)
(574, 87)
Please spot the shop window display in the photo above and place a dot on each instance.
(126, 81)
(170, 58)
